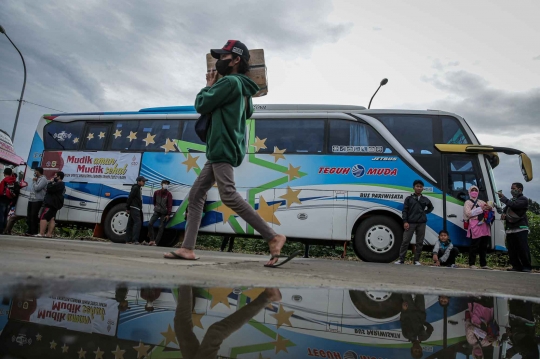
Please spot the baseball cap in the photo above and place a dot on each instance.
(166, 181)
(232, 46)
(141, 178)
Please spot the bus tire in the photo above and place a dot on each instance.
(116, 223)
(378, 239)
(376, 304)
(169, 238)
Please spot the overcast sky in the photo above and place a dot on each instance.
(476, 59)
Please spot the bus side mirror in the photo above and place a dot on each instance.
(526, 167)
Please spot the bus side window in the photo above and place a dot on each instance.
(355, 138)
(153, 134)
(96, 136)
(299, 136)
(188, 133)
(452, 131)
(63, 135)
(462, 174)
(124, 134)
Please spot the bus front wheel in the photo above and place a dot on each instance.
(116, 223)
(377, 239)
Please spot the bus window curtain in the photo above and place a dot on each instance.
(358, 135)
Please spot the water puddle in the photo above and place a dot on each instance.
(260, 323)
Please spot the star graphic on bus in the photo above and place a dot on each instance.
(291, 196)
(191, 162)
(90, 136)
(76, 140)
(292, 172)
(226, 212)
(278, 154)
(101, 135)
(168, 146)
(268, 212)
(117, 133)
(149, 139)
(258, 144)
(132, 136)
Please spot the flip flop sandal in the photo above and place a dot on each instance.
(288, 258)
(152, 244)
(176, 256)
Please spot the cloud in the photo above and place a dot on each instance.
(125, 55)
(376, 28)
(487, 109)
(438, 65)
(536, 57)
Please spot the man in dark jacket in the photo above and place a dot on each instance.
(517, 228)
(415, 210)
(162, 211)
(134, 210)
(52, 203)
(229, 101)
(414, 326)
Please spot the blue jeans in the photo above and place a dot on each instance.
(4, 211)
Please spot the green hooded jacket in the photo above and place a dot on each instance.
(226, 138)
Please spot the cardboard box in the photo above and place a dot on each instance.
(257, 70)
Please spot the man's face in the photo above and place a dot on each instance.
(230, 56)
(515, 188)
(141, 183)
(418, 188)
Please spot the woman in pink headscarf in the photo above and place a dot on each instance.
(479, 231)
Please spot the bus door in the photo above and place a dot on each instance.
(461, 171)
(462, 167)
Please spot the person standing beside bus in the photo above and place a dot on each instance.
(8, 194)
(162, 211)
(37, 195)
(52, 203)
(479, 230)
(134, 210)
(415, 210)
(229, 102)
(517, 228)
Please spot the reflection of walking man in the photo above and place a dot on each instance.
(162, 211)
(217, 332)
(413, 322)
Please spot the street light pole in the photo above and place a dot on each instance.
(383, 82)
(24, 85)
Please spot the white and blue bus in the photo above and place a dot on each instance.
(316, 173)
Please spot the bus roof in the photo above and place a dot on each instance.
(257, 107)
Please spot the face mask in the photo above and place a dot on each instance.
(514, 192)
(222, 67)
(473, 195)
(55, 179)
(165, 186)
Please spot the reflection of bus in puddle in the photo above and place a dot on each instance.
(247, 323)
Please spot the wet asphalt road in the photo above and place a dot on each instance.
(74, 265)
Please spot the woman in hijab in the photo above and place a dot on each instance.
(475, 212)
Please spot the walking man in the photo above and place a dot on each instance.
(134, 210)
(162, 211)
(229, 102)
(37, 195)
(517, 228)
(415, 210)
(52, 203)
